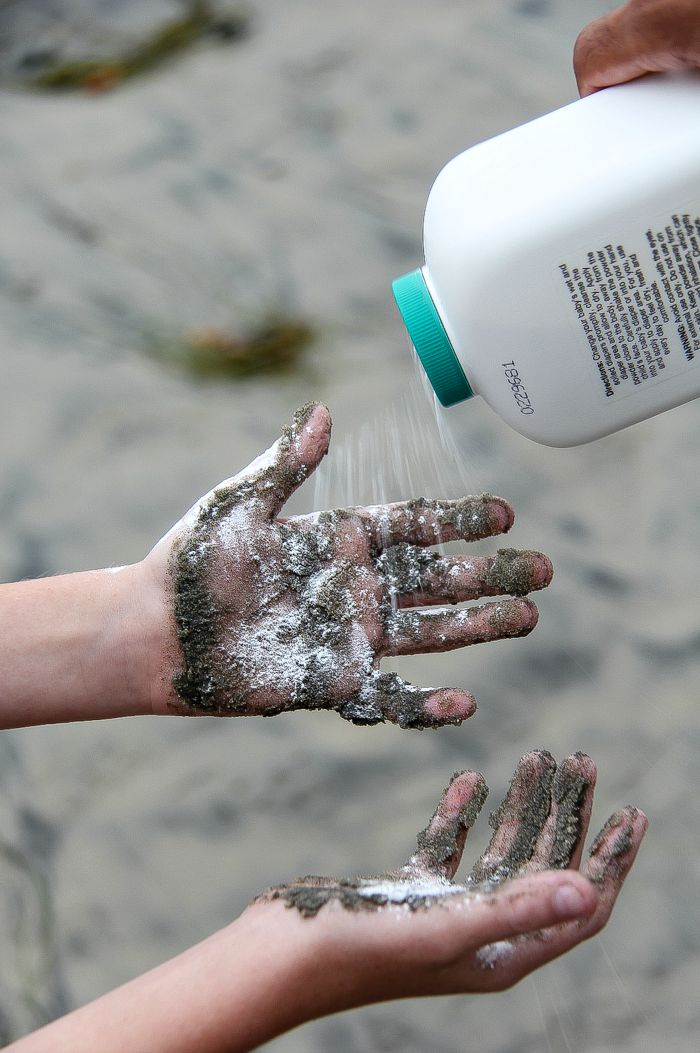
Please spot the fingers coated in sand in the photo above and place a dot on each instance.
(560, 843)
(519, 821)
(420, 578)
(612, 857)
(440, 845)
(293, 458)
(386, 696)
(423, 522)
(614, 850)
(418, 632)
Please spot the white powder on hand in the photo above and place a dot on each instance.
(493, 954)
(427, 887)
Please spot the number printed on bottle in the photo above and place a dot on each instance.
(519, 393)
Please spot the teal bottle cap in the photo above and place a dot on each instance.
(430, 340)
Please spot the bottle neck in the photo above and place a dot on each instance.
(429, 339)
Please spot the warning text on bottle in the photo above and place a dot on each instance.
(638, 305)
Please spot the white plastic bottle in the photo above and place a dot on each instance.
(562, 273)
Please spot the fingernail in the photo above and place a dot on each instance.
(543, 571)
(568, 901)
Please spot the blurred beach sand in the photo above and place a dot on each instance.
(288, 172)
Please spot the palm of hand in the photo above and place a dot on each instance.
(277, 614)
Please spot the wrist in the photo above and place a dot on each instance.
(325, 964)
(288, 972)
(140, 639)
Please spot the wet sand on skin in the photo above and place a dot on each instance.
(294, 171)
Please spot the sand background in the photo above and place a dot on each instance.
(289, 171)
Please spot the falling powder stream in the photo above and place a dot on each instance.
(407, 451)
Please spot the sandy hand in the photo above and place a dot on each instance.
(526, 900)
(279, 614)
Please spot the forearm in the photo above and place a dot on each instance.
(79, 647)
(253, 980)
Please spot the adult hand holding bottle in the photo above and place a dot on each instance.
(642, 36)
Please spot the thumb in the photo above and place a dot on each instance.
(534, 902)
(278, 472)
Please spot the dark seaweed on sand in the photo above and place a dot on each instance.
(105, 72)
